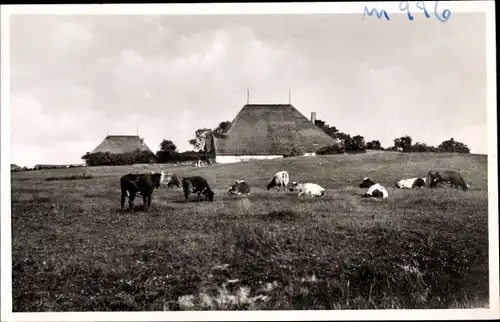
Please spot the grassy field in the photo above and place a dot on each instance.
(73, 251)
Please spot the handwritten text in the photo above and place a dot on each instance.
(404, 6)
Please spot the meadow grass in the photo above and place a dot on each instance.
(424, 248)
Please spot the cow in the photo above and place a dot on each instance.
(308, 189)
(411, 183)
(171, 180)
(454, 178)
(133, 185)
(239, 187)
(375, 190)
(280, 180)
(197, 184)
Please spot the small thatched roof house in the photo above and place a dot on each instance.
(118, 144)
(265, 131)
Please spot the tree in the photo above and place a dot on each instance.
(374, 145)
(329, 130)
(453, 146)
(404, 143)
(319, 123)
(357, 144)
(167, 146)
(200, 136)
(221, 129)
(167, 150)
(422, 147)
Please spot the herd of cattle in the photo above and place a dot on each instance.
(133, 185)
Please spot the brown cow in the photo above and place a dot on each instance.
(197, 184)
(454, 178)
(142, 184)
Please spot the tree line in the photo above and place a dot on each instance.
(357, 144)
(168, 152)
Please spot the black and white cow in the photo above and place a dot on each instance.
(375, 190)
(171, 180)
(308, 189)
(239, 187)
(280, 180)
(411, 183)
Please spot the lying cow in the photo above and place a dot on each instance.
(280, 180)
(454, 178)
(239, 187)
(171, 180)
(197, 184)
(133, 185)
(411, 183)
(375, 190)
(308, 189)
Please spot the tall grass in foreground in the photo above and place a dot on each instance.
(72, 250)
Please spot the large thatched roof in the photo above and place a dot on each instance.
(270, 130)
(118, 144)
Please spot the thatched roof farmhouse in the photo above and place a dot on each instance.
(118, 144)
(266, 131)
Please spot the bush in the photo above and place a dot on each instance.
(296, 152)
(422, 147)
(175, 157)
(106, 158)
(453, 146)
(73, 177)
(374, 145)
(331, 149)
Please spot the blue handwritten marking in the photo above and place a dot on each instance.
(421, 6)
(405, 6)
(378, 14)
(445, 14)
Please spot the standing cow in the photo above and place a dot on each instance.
(454, 178)
(197, 184)
(171, 180)
(280, 180)
(411, 183)
(375, 190)
(143, 184)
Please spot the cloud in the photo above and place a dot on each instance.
(38, 137)
(78, 77)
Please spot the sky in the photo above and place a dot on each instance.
(76, 79)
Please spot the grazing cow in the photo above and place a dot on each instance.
(280, 180)
(171, 180)
(454, 178)
(239, 187)
(197, 184)
(142, 184)
(411, 183)
(375, 190)
(308, 189)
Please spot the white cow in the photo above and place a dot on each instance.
(308, 189)
(279, 180)
(375, 190)
(411, 183)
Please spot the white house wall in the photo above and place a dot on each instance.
(240, 158)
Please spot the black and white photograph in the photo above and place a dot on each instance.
(249, 161)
